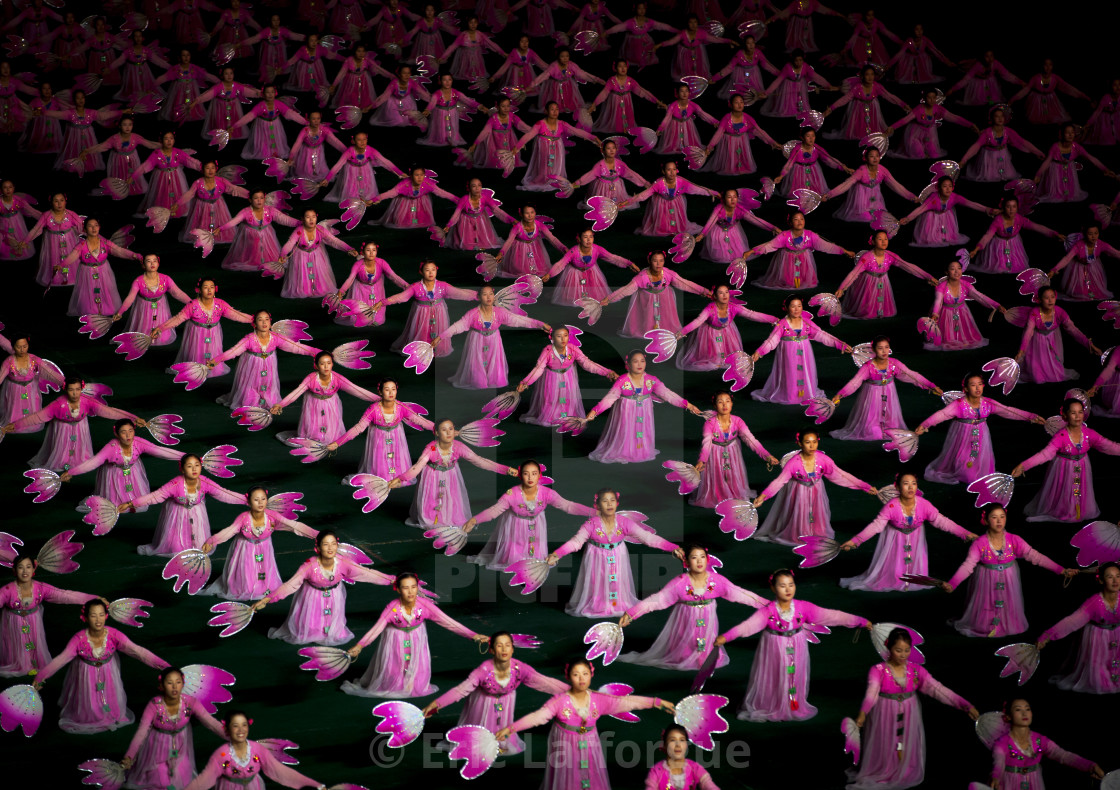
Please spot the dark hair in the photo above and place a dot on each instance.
(901, 475)
(231, 715)
(322, 354)
(20, 557)
(943, 179)
(1069, 402)
(899, 635)
(72, 380)
(494, 637)
(441, 421)
(186, 457)
(528, 462)
(402, 577)
(1091, 224)
(802, 134)
(575, 663)
(253, 490)
(797, 53)
(633, 353)
(810, 431)
(1100, 570)
(89, 606)
(387, 380)
(688, 548)
(880, 339)
(163, 673)
(323, 535)
(728, 393)
(990, 508)
(779, 574)
(211, 280)
(970, 376)
(1044, 289)
(602, 492)
(122, 423)
(669, 731)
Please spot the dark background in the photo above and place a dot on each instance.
(335, 731)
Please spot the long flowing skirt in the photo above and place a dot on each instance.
(316, 617)
(1084, 282)
(797, 510)
(308, 275)
(441, 498)
(267, 139)
(483, 364)
(386, 453)
(92, 698)
(1002, 256)
(605, 584)
(991, 165)
(876, 410)
(966, 455)
(179, 528)
(66, 444)
(22, 651)
(630, 436)
(513, 539)
(958, 330)
(250, 571)
(426, 321)
(147, 314)
(1044, 360)
(256, 383)
(684, 641)
(995, 603)
(400, 669)
(938, 229)
(1093, 672)
(201, 343)
(165, 760)
(1067, 493)
(252, 248)
(651, 310)
(18, 399)
(555, 395)
(896, 553)
(708, 346)
(774, 692)
(119, 484)
(95, 291)
(870, 296)
(789, 269)
(724, 477)
(894, 747)
(793, 377)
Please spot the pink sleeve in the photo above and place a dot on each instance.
(495, 510)
(928, 685)
(1010, 413)
(1060, 755)
(457, 693)
(782, 479)
(874, 528)
(706, 441)
(538, 370)
(209, 775)
(969, 564)
(539, 717)
(939, 416)
(1035, 557)
(752, 625)
(749, 439)
(294, 395)
(589, 365)
(88, 465)
(649, 538)
(438, 617)
(609, 705)
(874, 683)
(861, 376)
(280, 773)
(141, 731)
(667, 395)
(662, 599)
(613, 394)
(130, 297)
(1070, 624)
(841, 478)
(1046, 454)
(292, 584)
(375, 631)
(943, 523)
(736, 594)
(566, 505)
(913, 377)
(535, 680)
(482, 463)
(575, 542)
(133, 650)
(53, 594)
(210, 488)
(819, 615)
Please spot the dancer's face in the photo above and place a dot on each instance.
(445, 432)
(258, 502)
(172, 686)
(784, 588)
(192, 469)
(908, 486)
(388, 391)
(723, 404)
(325, 365)
(125, 435)
(96, 618)
(151, 263)
(997, 520)
(797, 221)
(328, 547)
(530, 475)
(1075, 415)
(560, 339)
(25, 570)
(580, 677)
(974, 387)
(795, 308)
(408, 590)
(502, 648)
(238, 729)
(637, 364)
(809, 443)
(676, 745)
(1110, 580)
(73, 392)
(486, 296)
(1019, 712)
(607, 504)
(882, 350)
(900, 652)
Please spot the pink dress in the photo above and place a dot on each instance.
(801, 506)
(168, 184)
(902, 549)
(637, 43)
(60, 240)
(225, 109)
(1109, 384)
(725, 475)
(354, 82)
(561, 85)
(483, 364)
(993, 156)
(1103, 126)
(393, 106)
(666, 214)
(558, 395)
(101, 57)
(692, 627)
(794, 375)
(208, 210)
(913, 63)
(580, 275)
(547, 161)
(778, 689)
(1043, 105)
(995, 594)
(519, 70)
(257, 381)
(591, 18)
(958, 327)
(308, 156)
(124, 160)
(606, 180)
(386, 452)
(320, 416)
(23, 646)
(967, 454)
(694, 777)
(80, 137)
(428, 317)
(441, 497)
(1060, 182)
(981, 84)
(653, 304)
(136, 75)
(1067, 492)
(490, 702)
(616, 100)
(877, 408)
(357, 175)
(250, 571)
(865, 194)
(308, 74)
(369, 287)
(402, 666)
(788, 94)
(866, 44)
(232, 29)
(95, 285)
(225, 770)
(254, 241)
(894, 737)
(1007, 255)
(1083, 277)
(427, 38)
(183, 521)
(67, 442)
(867, 288)
(13, 228)
(470, 227)
(122, 478)
(411, 205)
(522, 527)
(468, 63)
(268, 139)
(1044, 352)
(630, 436)
(605, 585)
(793, 267)
(732, 148)
(21, 390)
(713, 337)
(691, 58)
(446, 111)
(497, 135)
(308, 272)
(42, 133)
(1012, 767)
(524, 251)
(1095, 669)
(162, 750)
(202, 339)
(678, 128)
(318, 613)
(724, 238)
(92, 698)
(745, 74)
(920, 140)
(937, 224)
(390, 25)
(182, 102)
(863, 116)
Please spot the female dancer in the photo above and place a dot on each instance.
(1043, 105)
(687, 635)
(794, 374)
(318, 613)
(445, 109)
(250, 571)
(257, 381)
(23, 379)
(169, 183)
(745, 70)
(518, 70)
(225, 100)
(101, 45)
(121, 475)
(254, 241)
(499, 133)
(637, 43)
(526, 240)
(802, 508)
(558, 395)
(124, 155)
(242, 762)
(1103, 126)
(23, 637)
(208, 210)
(426, 35)
(778, 689)
(676, 770)
(95, 285)
(667, 215)
(1057, 177)
(692, 50)
(386, 451)
(653, 304)
(356, 164)
(268, 138)
(871, 295)
(441, 497)
(1041, 351)
(995, 596)
(182, 102)
(937, 217)
(894, 736)
(321, 411)
(863, 116)
(273, 56)
(580, 275)
(981, 82)
(1007, 255)
(202, 339)
(1067, 492)
(1020, 752)
(232, 25)
(913, 64)
(967, 454)
(308, 157)
(61, 226)
(428, 316)
(547, 162)
(591, 18)
(902, 548)
(161, 753)
(1093, 671)
(353, 85)
(183, 521)
(920, 140)
(79, 133)
(560, 83)
(729, 241)
(630, 436)
(867, 195)
(1085, 281)
(575, 715)
(716, 335)
(726, 477)
(731, 142)
(878, 409)
(1107, 386)
(92, 698)
(67, 442)
(483, 364)
(136, 75)
(470, 227)
(491, 691)
(677, 129)
(866, 44)
(994, 160)
(618, 116)
(522, 526)
(13, 227)
(307, 71)
(605, 178)
(468, 46)
(605, 586)
(956, 327)
(396, 106)
(794, 265)
(308, 273)
(788, 94)
(366, 282)
(411, 204)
